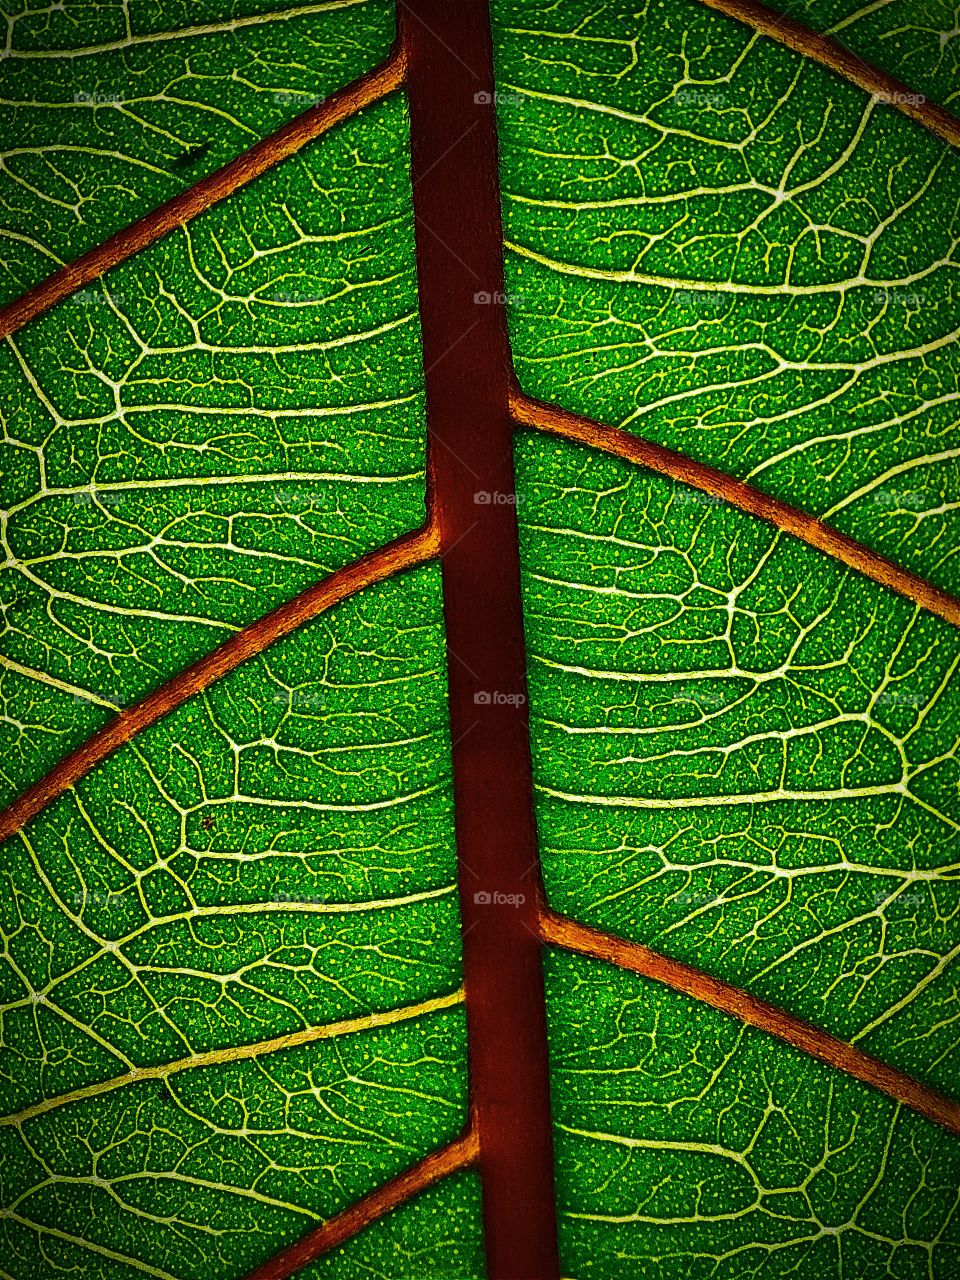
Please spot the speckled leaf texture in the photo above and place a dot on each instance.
(232, 998)
(722, 246)
(745, 753)
(231, 970)
(108, 109)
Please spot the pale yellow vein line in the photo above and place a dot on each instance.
(29, 673)
(187, 33)
(100, 1249)
(238, 1053)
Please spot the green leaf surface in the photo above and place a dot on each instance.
(745, 753)
(273, 858)
(922, 41)
(218, 423)
(689, 1145)
(107, 110)
(437, 1236)
(729, 250)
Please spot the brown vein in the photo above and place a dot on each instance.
(459, 1155)
(621, 444)
(831, 53)
(404, 553)
(285, 142)
(586, 941)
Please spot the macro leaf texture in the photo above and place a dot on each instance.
(722, 246)
(107, 110)
(239, 978)
(217, 423)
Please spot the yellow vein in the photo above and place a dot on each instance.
(238, 1053)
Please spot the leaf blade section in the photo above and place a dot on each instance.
(922, 44)
(744, 754)
(690, 1145)
(222, 421)
(109, 111)
(272, 860)
(723, 247)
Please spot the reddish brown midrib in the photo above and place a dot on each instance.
(282, 144)
(470, 450)
(404, 553)
(459, 1155)
(621, 444)
(831, 53)
(586, 941)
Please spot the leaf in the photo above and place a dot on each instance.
(290, 984)
(438, 1234)
(273, 859)
(116, 108)
(690, 1146)
(745, 754)
(225, 418)
(920, 44)
(701, 251)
